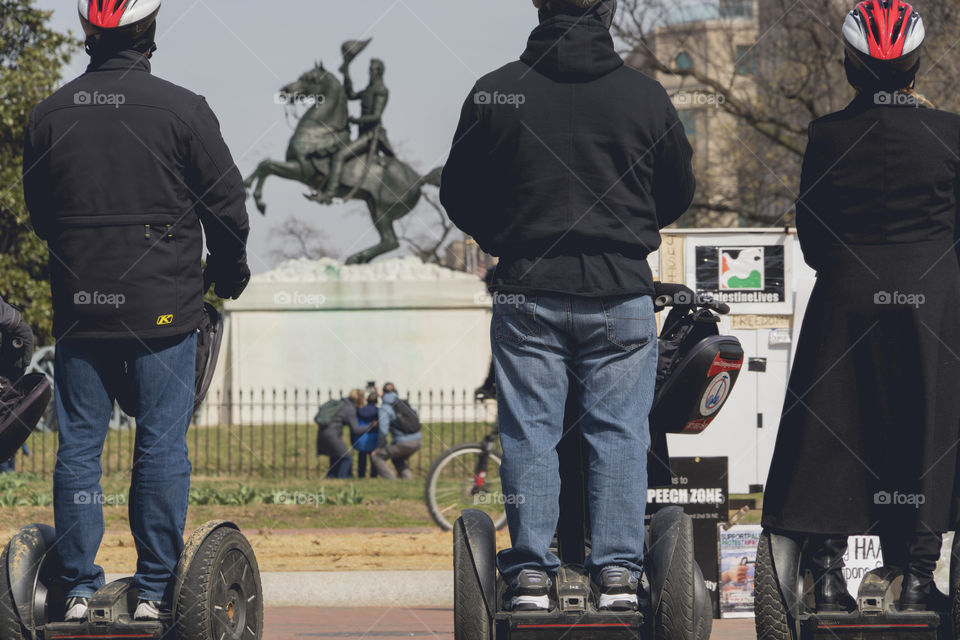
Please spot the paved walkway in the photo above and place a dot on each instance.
(298, 623)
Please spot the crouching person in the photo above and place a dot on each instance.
(401, 423)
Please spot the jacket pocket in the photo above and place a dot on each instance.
(515, 317)
(630, 321)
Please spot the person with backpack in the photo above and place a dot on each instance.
(868, 437)
(126, 177)
(398, 420)
(330, 419)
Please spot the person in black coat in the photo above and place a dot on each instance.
(869, 431)
(125, 175)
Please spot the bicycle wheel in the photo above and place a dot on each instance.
(453, 485)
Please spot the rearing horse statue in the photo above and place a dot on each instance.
(390, 187)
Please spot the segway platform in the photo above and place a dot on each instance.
(216, 593)
(575, 615)
(785, 604)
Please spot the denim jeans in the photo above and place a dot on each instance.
(162, 377)
(607, 347)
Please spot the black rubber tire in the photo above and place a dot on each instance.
(704, 607)
(675, 618)
(221, 597)
(10, 626)
(770, 610)
(470, 618)
(955, 585)
(429, 491)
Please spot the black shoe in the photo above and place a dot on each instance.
(919, 593)
(530, 591)
(617, 589)
(830, 593)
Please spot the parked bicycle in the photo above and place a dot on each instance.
(467, 476)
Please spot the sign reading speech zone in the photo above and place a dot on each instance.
(741, 274)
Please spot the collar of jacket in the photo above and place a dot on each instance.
(570, 47)
(127, 60)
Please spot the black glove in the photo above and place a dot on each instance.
(16, 351)
(229, 282)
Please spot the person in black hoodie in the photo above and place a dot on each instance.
(566, 164)
(123, 175)
(868, 437)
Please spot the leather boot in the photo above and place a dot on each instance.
(826, 564)
(919, 592)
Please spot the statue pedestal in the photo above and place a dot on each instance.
(318, 325)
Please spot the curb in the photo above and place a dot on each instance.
(354, 588)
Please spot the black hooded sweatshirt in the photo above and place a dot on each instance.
(567, 163)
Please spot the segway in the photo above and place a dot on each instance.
(679, 606)
(785, 608)
(216, 592)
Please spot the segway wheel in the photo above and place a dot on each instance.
(772, 617)
(10, 626)
(221, 597)
(474, 575)
(955, 585)
(704, 607)
(674, 570)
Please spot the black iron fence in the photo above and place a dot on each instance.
(272, 434)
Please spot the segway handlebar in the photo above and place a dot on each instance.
(678, 295)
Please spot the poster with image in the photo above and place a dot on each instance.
(738, 561)
(749, 273)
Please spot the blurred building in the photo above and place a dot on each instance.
(717, 41)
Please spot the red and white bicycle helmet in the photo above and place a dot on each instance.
(118, 16)
(883, 39)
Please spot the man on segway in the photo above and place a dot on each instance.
(124, 173)
(566, 164)
(867, 440)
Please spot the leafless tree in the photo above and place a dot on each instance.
(296, 238)
(427, 241)
(796, 75)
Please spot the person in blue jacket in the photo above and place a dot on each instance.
(402, 446)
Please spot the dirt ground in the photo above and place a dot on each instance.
(316, 550)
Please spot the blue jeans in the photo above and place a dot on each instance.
(608, 348)
(162, 375)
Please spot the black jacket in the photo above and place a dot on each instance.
(872, 404)
(567, 164)
(121, 171)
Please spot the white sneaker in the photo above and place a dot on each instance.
(77, 609)
(530, 591)
(147, 611)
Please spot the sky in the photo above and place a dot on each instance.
(238, 53)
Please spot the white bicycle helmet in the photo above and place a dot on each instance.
(118, 16)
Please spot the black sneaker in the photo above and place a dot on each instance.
(530, 591)
(617, 589)
(77, 608)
